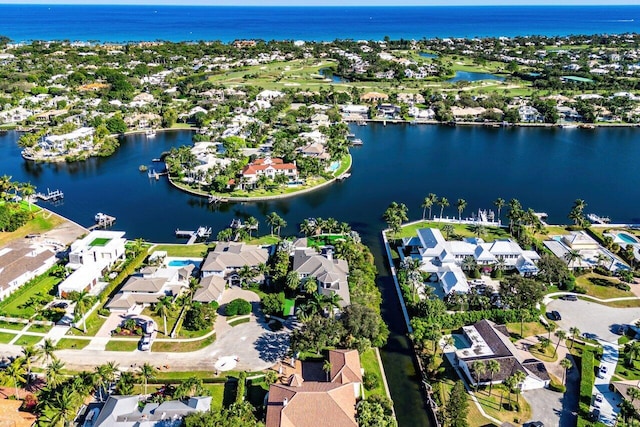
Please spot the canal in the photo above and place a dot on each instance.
(546, 169)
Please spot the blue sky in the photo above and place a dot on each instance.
(333, 2)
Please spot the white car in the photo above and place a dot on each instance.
(599, 398)
(145, 343)
(603, 371)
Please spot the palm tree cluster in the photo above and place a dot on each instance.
(520, 219)
(577, 213)
(395, 215)
(13, 190)
(276, 222)
(12, 216)
(317, 226)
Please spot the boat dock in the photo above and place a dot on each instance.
(153, 174)
(343, 176)
(103, 221)
(595, 219)
(216, 199)
(200, 233)
(50, 196)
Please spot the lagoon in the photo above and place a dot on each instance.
(545, 168)
(472, 76)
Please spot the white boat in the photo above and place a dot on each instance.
(356, 141)
(568, 126)
(100, 217)
(150, 133)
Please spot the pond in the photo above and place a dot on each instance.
(472, 76)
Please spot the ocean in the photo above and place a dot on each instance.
(192, 23)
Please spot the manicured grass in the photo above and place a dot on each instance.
(172, 317)
(345, 164)
(474, 416)
(369, 363)
(179, 375)
(598, 291)
(529, 329)
(26, 340)
(122, 345)
(237, 322)
(12, 326)
(264, 240)
(6, 337)
(551, 230)
(72, 344)
(43, 221)
(14, 305)
(546, 355)
(181, 126)
(182, 347)
(216, 391)
(40, 328)
(491, 405)
(462, 230)
(618, 304)
(197, 250)
(94, 323)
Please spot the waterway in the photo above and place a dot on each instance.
(546, 169)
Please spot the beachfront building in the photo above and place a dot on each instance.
(269, 168)
(131, 411)
(579, 250)
(485, 341)
(228, 258)
(444, 258)
(309, 396)
(20, 262)
(91, 258)
(330, 273)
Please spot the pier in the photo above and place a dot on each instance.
(193, 236)
(51, 196)
(153, 174)
(216, 199)
(103, 221)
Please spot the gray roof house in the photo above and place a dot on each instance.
(228, 257)
(124, 411)
(211, 289)
(331, 273)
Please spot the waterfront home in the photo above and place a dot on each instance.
(267, 167)
(131, 411)
(211, 288)
(21, 262)
(308, 396)
(330, 273)
(374, 97)
(529, 114)
(579, 250)
(316, 150)
(15, 115)
(568, 114)
(229, 257)
(91, 258)
(149, 285)
(421, 113)
(60, 143)
(485, 341)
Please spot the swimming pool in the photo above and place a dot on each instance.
(627, 238)
(334, 166)
(460, 341)
(183, 262)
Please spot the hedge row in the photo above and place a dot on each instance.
(587, 379)
(129, 268)
(458, 320)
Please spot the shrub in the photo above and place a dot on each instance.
(273, 304)
(238, 307)
(623, 286)
(370, 380)
(104, 312)
(557, 387)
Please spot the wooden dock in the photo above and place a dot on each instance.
(51, 196)
(216, 199)
(103, 221)
(193, 236)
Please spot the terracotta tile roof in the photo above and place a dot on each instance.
(345, 366)
(313, 404)
(11, 416)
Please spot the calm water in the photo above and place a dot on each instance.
(134, 23)
(545, 168)
(470, 76)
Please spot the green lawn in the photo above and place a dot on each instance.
(43, 221)
(345, 164)
(462, 230)
(40, 328)
(197, 250)
(529, 329)
(369, 363)
(11, 325)
(72, 344)
(237, 322)
(216, 391)
(122, 345)
(491, 405)
(183, 347)
(94, 323)
(598, 291)
(264, 240)
(546, 355)
(6, 337)
(26, 340)
(14, 305)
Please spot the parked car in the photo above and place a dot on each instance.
(145, 343)
(620, 330)
(61, 304)
(599, 398)
(554, 315)
(149, 327)
(569, 297)
(603, 371)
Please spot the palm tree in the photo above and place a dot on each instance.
(573, 256)
(461, 204)
(544, 343)
(443, 203)
(251, 224)
(549, 328)
(27, 191)
(634, 393)
(479, 230)
(62, 408)
(326, 367)
(332, 301)
(478, 368)
(125, 383)
(448, 229)
(561, 335)
(48, 348)
(292, 280)
(427, 203)
(31, 354)
(105, 375)
(147, 372)
(519, 377)
(82, 299)
(575, 333)
(310, 285)
(272, 220)
(54, 372)
(163, 308)
(307, 227)
(566, 365)
(632, 351)
(499, 203)
(493, 367)
(15, 370)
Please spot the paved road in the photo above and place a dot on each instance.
(593, 318)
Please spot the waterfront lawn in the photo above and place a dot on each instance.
(129, 345)
(198, 250)
(42, 221)
(72, 344)
(264, 240)
(345, 164)
(16, 304)
(27, 340)
(551, 230)
(462, 230)
(588, 282)
(94, 323)
(182, 347)
(6, 337)
(369, 363)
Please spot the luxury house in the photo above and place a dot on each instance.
(229, 257)
(330, 273)
(579, 250)
(20, 262)
(310, 397)
(267, 167)
(126, 411)
(90, 258)
(487, 341)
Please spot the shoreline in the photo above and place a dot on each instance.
(579, 125)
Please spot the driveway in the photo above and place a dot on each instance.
(609, 405)
(556, 409)
(593, 318)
